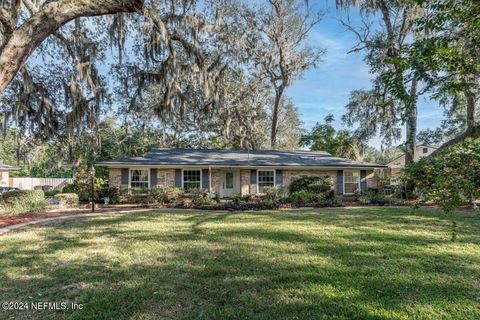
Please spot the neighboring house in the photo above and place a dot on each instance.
(396, 165)
(4, 174)
(230, 172)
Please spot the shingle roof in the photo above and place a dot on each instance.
(210, 157)
(5, 167)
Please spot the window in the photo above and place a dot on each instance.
(266, 178)
(229, 180)
(351, 181)
(139, 178)
(425, 150)
(192, 179)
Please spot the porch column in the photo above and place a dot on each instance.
(209, 179)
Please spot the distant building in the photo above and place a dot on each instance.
(4, 174)
(397, 164)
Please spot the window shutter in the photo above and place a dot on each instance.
(340, 182)
(253, 176)
(178, 178)
(363, 180)
(125, 173)
(279, 178)
(205, 176)
(153, 178)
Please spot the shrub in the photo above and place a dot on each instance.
(451, 178)
(301, 197)
(200, 197)
(237, 199)
(52, 193)
(331, 202)
(164, 195)
(172, 194)
(364, 199)
(84, 193)
(67, 200)
(322, 185)
(273, 193)
(23, 201)
(269, 203)
(113, 193)
(301, 184)
(247, 198)
(203, 201)
(82, 185)
(156, 196)
(69, 188)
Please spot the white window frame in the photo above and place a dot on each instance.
(130, 176)
(359, 179)
(192, 169)
(274, 178)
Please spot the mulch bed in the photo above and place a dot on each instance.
(6, 221)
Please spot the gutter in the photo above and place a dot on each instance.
(206, 166)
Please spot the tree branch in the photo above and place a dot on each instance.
(474, 132)
(48, 19)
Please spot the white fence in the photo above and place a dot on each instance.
(30, 183)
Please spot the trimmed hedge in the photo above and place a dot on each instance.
(23, 201)
(67, 199)
(13, 196)
(301, 184)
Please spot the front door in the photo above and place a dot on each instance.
(228, 184)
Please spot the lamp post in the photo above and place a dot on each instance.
(92, 172)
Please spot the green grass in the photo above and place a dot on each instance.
(313, 264)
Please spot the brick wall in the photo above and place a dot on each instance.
(115, 177)
(165, 178)
(244, 181)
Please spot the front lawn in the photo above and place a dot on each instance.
(377, 263)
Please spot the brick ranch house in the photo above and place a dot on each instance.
(231, 172)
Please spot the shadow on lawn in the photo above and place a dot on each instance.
(238, 271)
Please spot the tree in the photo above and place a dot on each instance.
(18, 42)
(289, 127)
(342, 143)
(169, 32)
(275, 40)
(430, 137)
(393, 99)
(448, 60)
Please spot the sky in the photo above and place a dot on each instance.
(326, 89)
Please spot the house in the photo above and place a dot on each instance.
(4, 174)
(396, 165)
(231, 172)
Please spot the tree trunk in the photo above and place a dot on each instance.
(411, 139)
(470, 97)
(276, 113)
(49, 18)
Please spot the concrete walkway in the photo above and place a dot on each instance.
(6, 229)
